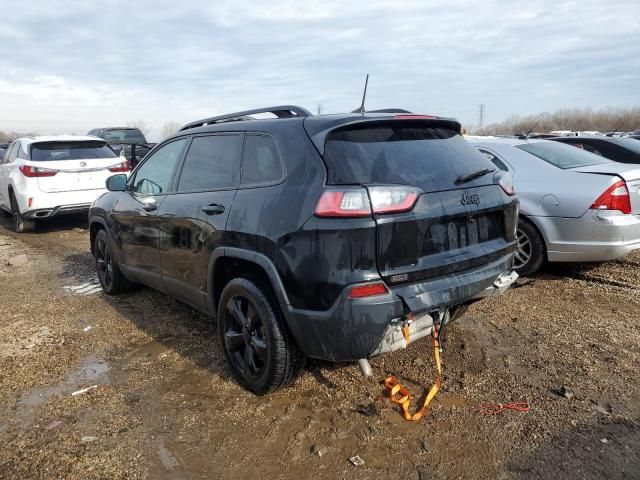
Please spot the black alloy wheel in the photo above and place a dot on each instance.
(244, 337)
(104, 264)
(260, 350)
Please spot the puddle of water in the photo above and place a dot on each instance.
(92, 370)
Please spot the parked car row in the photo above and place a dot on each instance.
(337, 237)
(575, 206)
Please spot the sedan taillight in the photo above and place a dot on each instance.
(616, 197)
(31, 172)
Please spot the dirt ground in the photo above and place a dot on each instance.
(567, 341)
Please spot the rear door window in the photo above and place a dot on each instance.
(261, 162)
(56, 151)
(210, 163)
(431, 158)
(155, 174)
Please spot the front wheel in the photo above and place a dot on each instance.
(530, 254)
(261, 353)
(109, 274)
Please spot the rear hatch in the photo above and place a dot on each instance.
(66, 166)
(630, 173)
(458, 221)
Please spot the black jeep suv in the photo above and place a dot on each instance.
(310, 236)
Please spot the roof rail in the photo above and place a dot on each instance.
(280, 111)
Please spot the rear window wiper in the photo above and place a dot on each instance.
(472, 176)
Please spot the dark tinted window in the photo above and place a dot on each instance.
(154, 175)
(629, 143)
(562, 156)
(495, 160)
(425, 157)
(123, 135)
(55, 151)
(261, 161)
(209, 162)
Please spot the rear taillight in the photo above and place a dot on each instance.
(506, 183)
(355, 202)
(616, 197)
(368, 290)
(121, 167)
(31, 172)
(352, 202)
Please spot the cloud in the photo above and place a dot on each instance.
(72, 66)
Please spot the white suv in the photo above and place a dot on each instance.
(50, 175)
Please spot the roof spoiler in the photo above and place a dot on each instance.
(280, 111)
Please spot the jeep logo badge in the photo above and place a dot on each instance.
(470, 199)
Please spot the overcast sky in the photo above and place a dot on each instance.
(71, 66)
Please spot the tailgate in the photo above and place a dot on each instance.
(445, 233)
(461, 219)
(75, 175)
(71, 165)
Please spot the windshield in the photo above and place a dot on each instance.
(55, 151)
(630, 144)
(124, 135)
(561, 155)
(396, 153)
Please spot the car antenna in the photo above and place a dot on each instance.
(364, 95)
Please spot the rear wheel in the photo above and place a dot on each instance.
(531, 250)
(261, 353)
(109, 274)
(20, 223)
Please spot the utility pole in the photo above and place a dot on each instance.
(481, 116)
(319, 109)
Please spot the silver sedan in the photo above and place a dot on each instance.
(574, 206)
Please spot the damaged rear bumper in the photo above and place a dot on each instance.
(360, 328)
(422, 325)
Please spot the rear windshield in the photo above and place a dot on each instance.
(561, 155)
(629, 143)
(426, 157)
(55, 151)
(123, 135)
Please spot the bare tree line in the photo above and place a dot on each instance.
(575, 119)
(169, 128)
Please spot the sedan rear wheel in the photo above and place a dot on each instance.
(530, 253)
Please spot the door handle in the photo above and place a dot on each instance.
(213, 209)
(149, 205)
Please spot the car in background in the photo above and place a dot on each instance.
(623, 150)
(574, 206)
(45, 176)
(129, 142)
(311, 236)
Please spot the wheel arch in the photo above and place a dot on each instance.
(534, 222)
(229, 262)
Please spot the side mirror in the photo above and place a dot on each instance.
(117, 183)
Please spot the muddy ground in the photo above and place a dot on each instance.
(165, 407)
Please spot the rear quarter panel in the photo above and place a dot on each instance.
(547, 191)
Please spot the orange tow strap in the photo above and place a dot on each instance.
(400, 395)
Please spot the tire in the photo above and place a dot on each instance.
(19, 222)
(259, 349)
(531, 249)
(109, 274)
